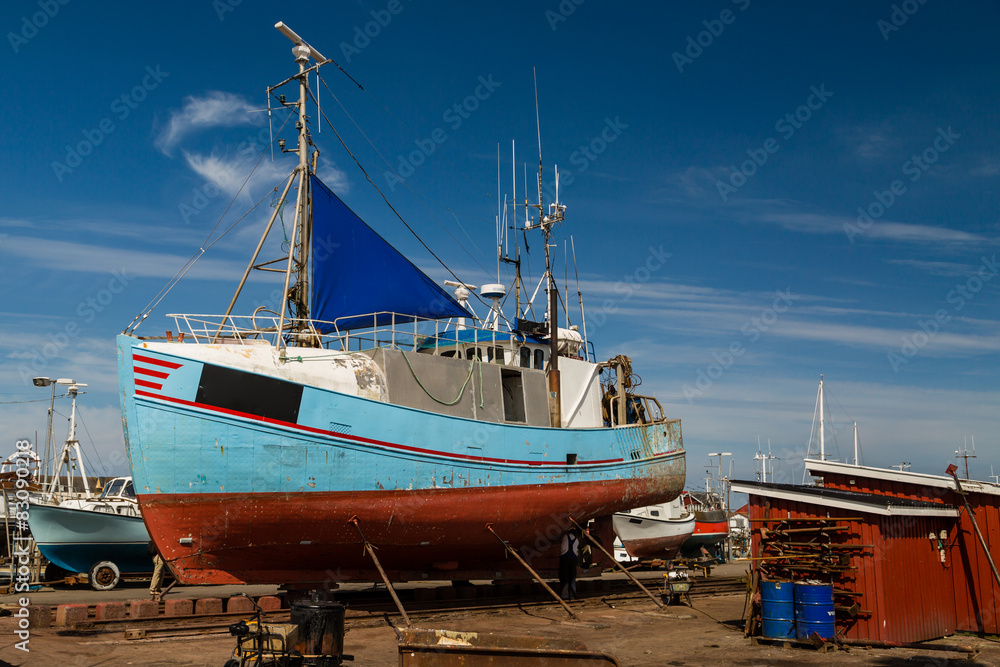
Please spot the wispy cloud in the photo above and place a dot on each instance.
(818, 223)
(82, 257)
(948, 269)
(214, 109)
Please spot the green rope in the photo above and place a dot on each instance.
(461, 391)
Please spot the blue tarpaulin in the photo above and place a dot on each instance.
(356, 272)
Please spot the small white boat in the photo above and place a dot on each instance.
(656, 531)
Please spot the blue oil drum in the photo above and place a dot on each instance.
(814, 610)
(777, 609)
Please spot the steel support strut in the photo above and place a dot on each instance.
(617, 564)
(534, 574)
(371, 552)
(972, 517)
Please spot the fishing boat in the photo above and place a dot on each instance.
(102, 536)
(711, 527)
(656, 531)
(374, 408)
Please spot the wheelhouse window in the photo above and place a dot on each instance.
(525, 358)
(539, 359)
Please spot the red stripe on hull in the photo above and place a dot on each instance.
(156, 362)
(150, 372)
(368, 441)
(151, 385)
(305, 538)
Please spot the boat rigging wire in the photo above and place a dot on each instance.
(159, 296)
(79, 415)
(407, 185)
(393, 209)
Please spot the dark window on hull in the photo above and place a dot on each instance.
(249, 393)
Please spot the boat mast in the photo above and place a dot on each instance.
(556, 215)
(71, 444)
(822, 440)
(297, 293)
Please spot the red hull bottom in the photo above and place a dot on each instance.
(655, 547)
(307, 539)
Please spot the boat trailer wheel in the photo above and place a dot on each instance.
(104, 575)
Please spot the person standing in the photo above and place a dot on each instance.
(568, 555)
(155, 591)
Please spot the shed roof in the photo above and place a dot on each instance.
(818, 467)
(854, 501)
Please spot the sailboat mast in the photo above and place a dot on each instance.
(822, 440)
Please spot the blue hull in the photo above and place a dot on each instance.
(266, 497)
(75, 539)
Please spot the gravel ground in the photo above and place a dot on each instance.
(633, 631)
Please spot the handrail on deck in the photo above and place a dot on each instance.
(412, 334)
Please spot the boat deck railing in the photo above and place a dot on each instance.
(388, 330)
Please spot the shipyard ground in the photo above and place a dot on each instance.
(632, 629)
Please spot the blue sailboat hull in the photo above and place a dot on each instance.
(76, 539)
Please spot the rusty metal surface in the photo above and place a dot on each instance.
(445, 648)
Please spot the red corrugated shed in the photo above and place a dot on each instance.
(977, 595)
(903, 588)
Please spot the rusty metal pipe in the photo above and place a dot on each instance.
(378, 565)
(621, 567)
(534, 574)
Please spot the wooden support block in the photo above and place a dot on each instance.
(109, 611)
(269, 603)
(71, 614)
(178, 607)
(238, 603)
(143, 608)
(39, 616)
(208, 606)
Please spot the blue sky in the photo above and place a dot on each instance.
(758, 194)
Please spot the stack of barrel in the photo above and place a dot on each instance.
(797, 610)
